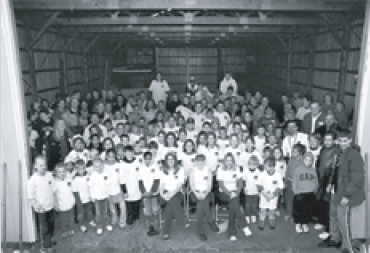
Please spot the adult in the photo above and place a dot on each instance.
(347, 189)
(150, 111)
(329, 125)
(305, 107)
(228, 81)
(59, 110)
(293, 137)
(341, 114)
(57, 145)
(159, 88)
(191, 87)
(314, 119)
(328, 103)
(94, 121)
(280, 111)
(70, 117)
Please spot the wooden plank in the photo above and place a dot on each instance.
(261, 5)
(43, 29)
(289, 63)
(343, 62)
(333, 30)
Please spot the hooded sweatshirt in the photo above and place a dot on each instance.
(305, 178)
(294, 162)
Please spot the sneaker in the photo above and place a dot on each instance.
(152, 231)
(203, 237)
(83, 229)
(324, 235)
(318, 226)
(92, 223)
(71, 233)
(46, 250)
(305, 228)
(122, 225)
(253, 219)
(272, 223)
(214, 226)
(99, 231)
(247, 219)
(233, 238)
(298, 228)
(166, 237)
(287, 218)
(109, 227)
(247, 232)
(277, 213)
(261, 225)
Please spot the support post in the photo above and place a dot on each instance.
(187, 64)
(44, 28)
(86, 69)
(220, 66)
(155, 59)
(4, 209)
(20, 181)
(289, 63)
(63, 86)
(311, 62)
(343, 62)
(31, 63)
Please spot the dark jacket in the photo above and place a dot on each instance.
(307, 122)
(322, 130)
(351, 178)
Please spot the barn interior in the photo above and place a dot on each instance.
(272, 46)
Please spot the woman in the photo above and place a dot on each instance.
(57, 144)
(229, 177)
(150, 111)
(70, 117)
(172, 179)
(59, 110)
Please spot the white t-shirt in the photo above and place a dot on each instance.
(187, 162)
(186, 112)
(73, 156)
(259, 143)
(251, 178)
(99, 185)
(289, 141)
(129, 175)
(226, 83)
(148, 174)
(270, 184)
(237, 153)
(64, 194)
(201, 178)
(223, 118)
(245, 156)
(280, 167)
(80, 184)
(113, 172)
(199, 119)
(159, 90)
(229, 177)
(212, 157)
(170, 181)
(40, 188)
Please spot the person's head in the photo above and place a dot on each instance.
(234, 140)
(182, 135)
(296, 94)
(229, 160)
(170, 140)
(247, 117)
(284, 99)
(328, 99)
(249, 144)
(314, 140)
(189, 147)
(340, 106)
(110, 156)
(278, 132)
(315, 108)
(108, 124)
(44, 115)
(161, 137)
(100, 107)
(95, 140)
(59, 125)
(120, 151)
(271, 139)
(150, 105)
(147, 158)
(207, 127)
(94, 118)
(298, 150)
(153, 148)
(98, 165)
(158, 76)
(78, 144)
(253, 162)
(60, 171)
(265, 102)
(190, 124)
(171, 162)
(269, 165)
(175, 97)
(120, 129)
(171, 121)
(80, 166)
(199, 161)
(292, 127)
(39, 165)
(129, 152)
(202, 138)
(125, 139)
(277, 153)
(73, 105)
(308, 159)
(84, 105)
(220, 107)
(108, 144)
(230, 90)
(344, 139)
(329, 119)
(306, 101)
(267, 152)
(198, 107)
(227, 76)
(211, 139)
(135, 129)
(261, 130)
(329, 139)
(160, 125)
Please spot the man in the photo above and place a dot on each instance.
(95, 120)
(347, 189)
(191, 87)
(159, 89)
(293, 137)
(313, 120)
(329, 125)
(228, 81)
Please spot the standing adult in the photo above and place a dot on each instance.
(159, 88)
(57, 144)
(228, 81)
(293, 137)
(314, 119)
(192, 86)
(347, 189)
(70, 117)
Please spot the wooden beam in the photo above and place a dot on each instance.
(311, 63)
(43, 29)
(92, 42)
(31, 64)
(72, 38)
(279, 21)
(333, 30)
(261, 5)
(289, 64)
(343, 62)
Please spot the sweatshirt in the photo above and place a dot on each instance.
(304, 180)
(293, 163)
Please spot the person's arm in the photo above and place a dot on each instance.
(239, 186)
(223, 188)
(356, 174)
(150, 90)
(155, 186)
(141, 187)
(294, 181)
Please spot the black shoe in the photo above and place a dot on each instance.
(261, 225)
(214, 226)
(203, 237)
(152, 231)
(330, 244)
(272, 224)
(166, 237)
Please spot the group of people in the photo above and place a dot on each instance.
(103, 160)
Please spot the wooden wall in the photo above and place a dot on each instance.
(315, 65)
(48, 56)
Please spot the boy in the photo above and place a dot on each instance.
(222, 116)
(304, 186)
(270, 185)
(250, 178)
(200, 186)
(192, 133)
(129, 180)
(198, 116)
(40, 196)
(148, 185)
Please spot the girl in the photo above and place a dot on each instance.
(182, 137)
(106, 145)
(200, 186)
(150, 111)
(260, 138)
(212, 152)
(202, 142)
(170, 145)
(40, 196)
(170, 126)
(57, 144)
(172, 178)
(229, 177)
(187, 155)
(234, 149)
(181, 122)
(280, 168)
(84, 110)
(223, 139)
(64, 200)
(95, 147)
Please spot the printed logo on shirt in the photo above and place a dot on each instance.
(216, 153)
(274, 182)
(88, 179)
(268, 192)
(152, 171)
(49, 182)
(255, 177)
(234, 175)
(69, 183)
(205, 178)
(137, 168)
(238, 153)
(140, 160)
(176, 176)
(225, 117)
(105, 178)
(117, 170)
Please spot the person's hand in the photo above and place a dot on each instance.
(328, 188)
(38, 208)
(344, 201)
(233, 195)
(146, 194)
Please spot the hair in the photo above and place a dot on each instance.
(147, 154)
(186, 142)
(270, 161)
(166, 168)
(107, 139)
(253, 160)
(200, 157)
(317, 136)
(267, 148)
(111, 150)
(331, 133)
(344, 133)
(281, 152)
(80, 162)
(300, 148)
(153, 145)
(59, 165)
(228, 154)
(129, 148)
(166, 139)
(201, 133)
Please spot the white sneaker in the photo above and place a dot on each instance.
(324, 235)
(247, 232)
(233, 238)
(109, 227)
(305, 228)
(247, 219)
(253, 219)
(99, 231)
(277, 213)
(298, 228)
(318, 226)
(92, 223)
(83, 228)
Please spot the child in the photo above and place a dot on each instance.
(266, 152)
(40, 196)
(78, 151)
(187, 155)
(149, 185)
(190, 128)
(64, 200)
(106, 145)
(182, 137)
(81, 192)
(212, 153)
(129, 180)
(99, 191)
(280, 168)
(200, 186)
(201, 142)
(170, 125)
(198, 116)
(135, 134)
(304, 186)
(314, 141)
(234, 149)
(222, 116)
(270, 184)
(298, 150)
(260, 138)
(250, 178)
(223, 139)
(112, 168)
